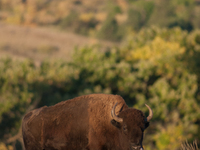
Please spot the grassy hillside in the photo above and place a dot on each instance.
(41, 44)
(109, 20)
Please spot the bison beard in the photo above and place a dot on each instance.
(90, 122)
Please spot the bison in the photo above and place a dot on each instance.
(89, 122)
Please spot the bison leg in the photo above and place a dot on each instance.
(95, 143)
(96, 147)
(32, 147)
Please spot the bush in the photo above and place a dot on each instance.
(77, 23)
(110, 29)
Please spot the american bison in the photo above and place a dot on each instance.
(90, 122)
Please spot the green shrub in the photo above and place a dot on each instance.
(110, 29)
(78, 24)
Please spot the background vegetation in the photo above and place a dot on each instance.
(100, 17)
(157, 63)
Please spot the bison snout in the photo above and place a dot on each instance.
(135, 147)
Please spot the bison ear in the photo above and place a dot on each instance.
(115, 123)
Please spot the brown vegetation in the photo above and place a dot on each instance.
(188, 146)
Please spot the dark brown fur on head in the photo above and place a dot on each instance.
(132, 127)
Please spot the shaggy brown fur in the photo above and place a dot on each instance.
(84, 123)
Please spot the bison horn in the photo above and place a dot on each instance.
(150, 113)
(118, 119)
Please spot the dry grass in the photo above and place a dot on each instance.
(40, 43)
(187, 146)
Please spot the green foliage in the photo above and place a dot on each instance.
(14, 94)
(139, 14)
(77, 23)
(169, 85)
(110, 29)
(193, 51)
(157, 66)
(4, 147)
(70, 20)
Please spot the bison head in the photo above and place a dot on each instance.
(131, 123)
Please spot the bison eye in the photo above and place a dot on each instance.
(124, 128)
